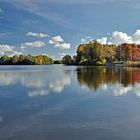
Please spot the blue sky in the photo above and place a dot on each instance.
(56, 27)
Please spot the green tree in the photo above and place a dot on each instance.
(67, 60)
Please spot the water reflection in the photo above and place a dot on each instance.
(46, 80)
(38, 82)
(117, 81)
(77, 113)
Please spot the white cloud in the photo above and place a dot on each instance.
(136, 37)
(16, 53)
(63, 46)
(8, 50)
(38, 35)
(102, 40)
(83, 40)
(36, 44)
(58, 42)
(120, 37)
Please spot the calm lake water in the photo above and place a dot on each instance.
(69, 103)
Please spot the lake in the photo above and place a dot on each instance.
(57, 102)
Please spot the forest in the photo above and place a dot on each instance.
(25, 60)
(94, 53)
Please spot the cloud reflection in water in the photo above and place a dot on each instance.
(38, 82)
(97, 80)
(116, 81)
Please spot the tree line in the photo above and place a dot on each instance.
(94, 53)
(25, 60)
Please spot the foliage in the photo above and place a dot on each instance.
(26, 60)
(128, 52)
(57, 62)
(67, 60)
(94, 53)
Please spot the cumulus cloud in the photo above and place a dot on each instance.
(8, 50)
(35, 44)
(102, 40)
(136, 37)
(118, 37)
(83, 40)
(38, 35)
(63, 45)
(58, 42)
(16, 53)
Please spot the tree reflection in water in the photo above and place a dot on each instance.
(95, 77)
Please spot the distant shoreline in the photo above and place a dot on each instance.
(108, 64)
